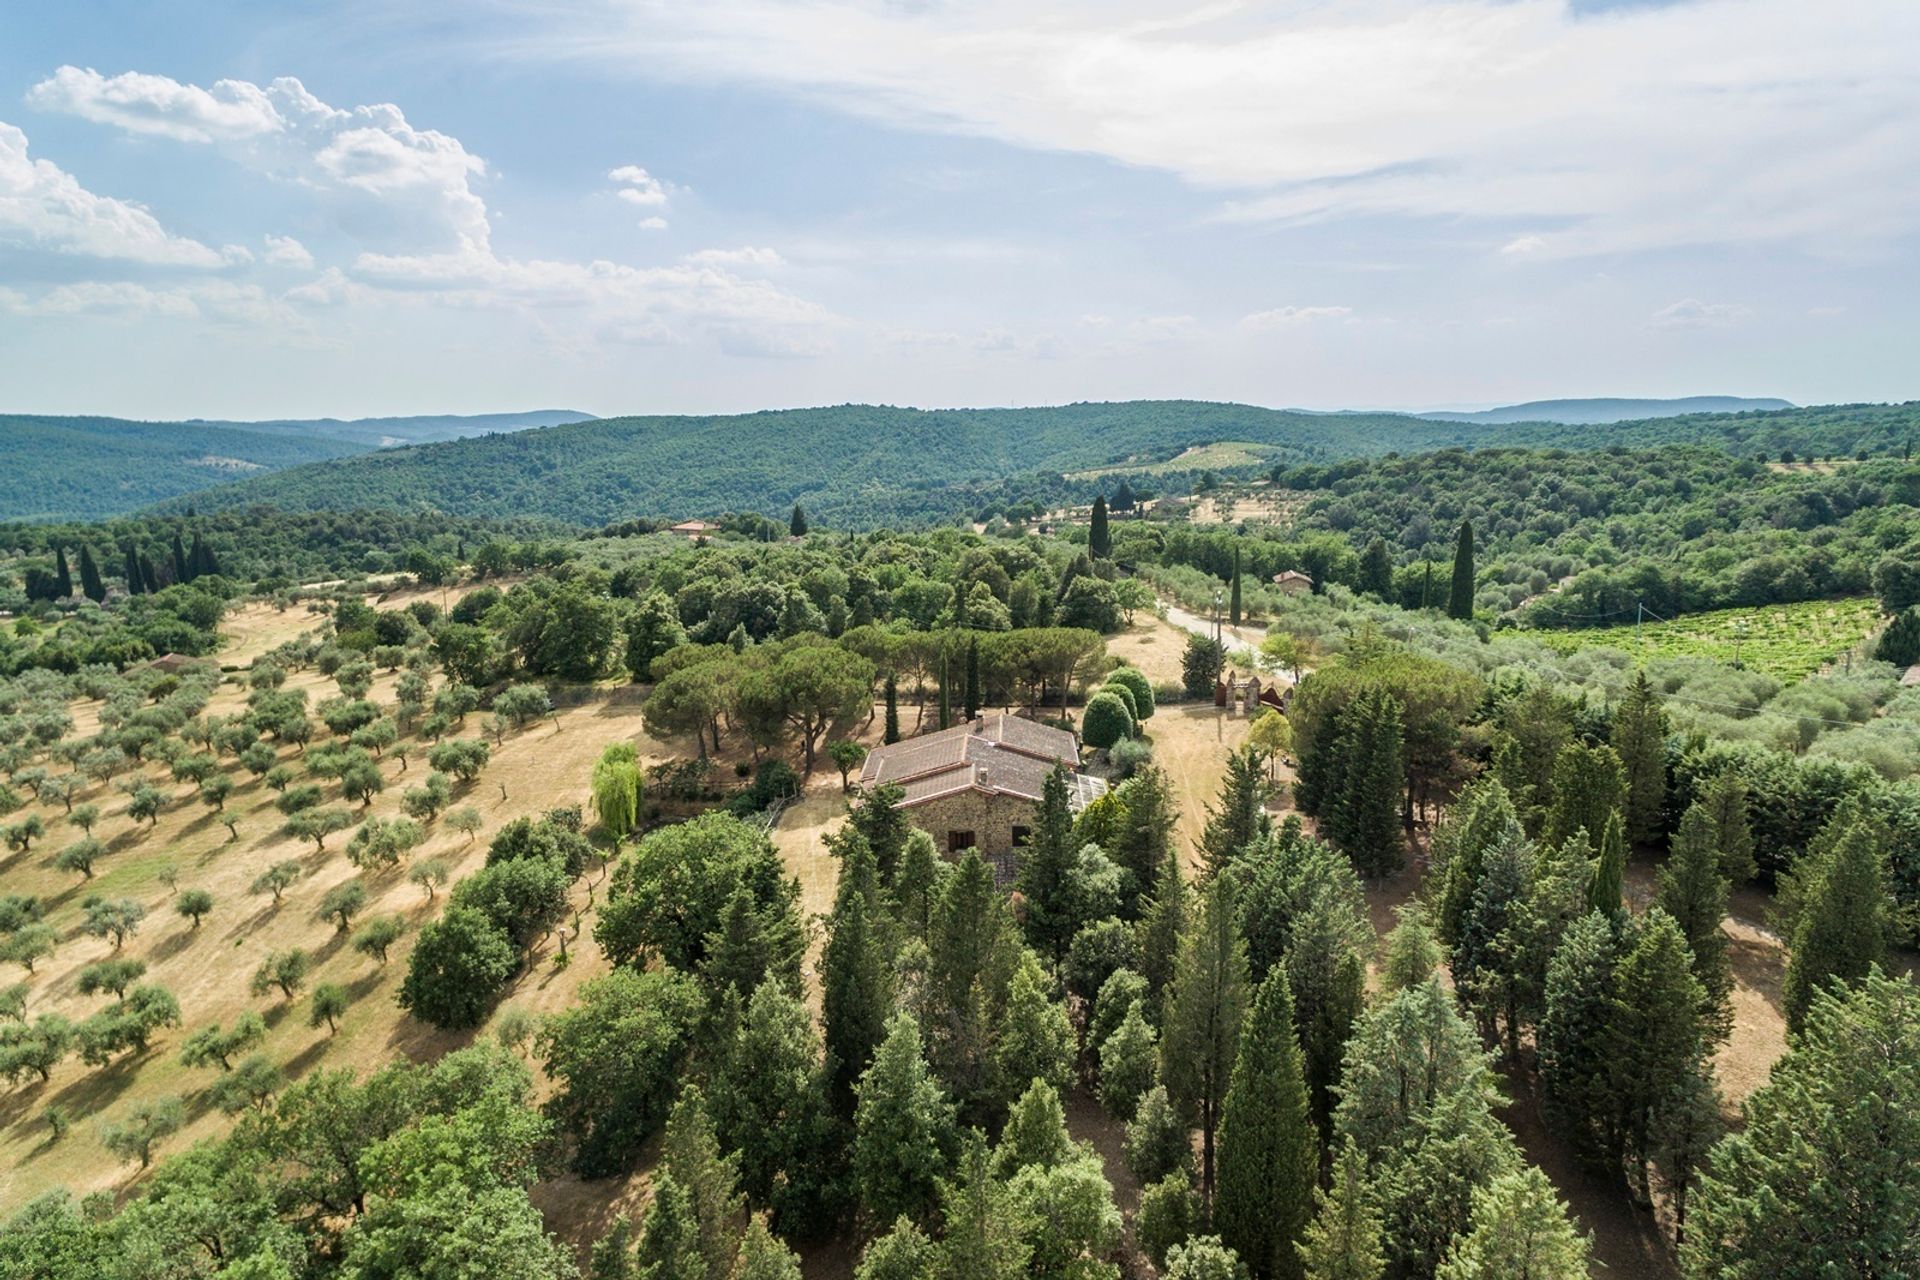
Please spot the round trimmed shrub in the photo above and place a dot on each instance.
(1141, 688)
(1106, 721)
(1125, 695)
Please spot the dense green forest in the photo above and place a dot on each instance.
(859, 466)
(81, 468)
(1578, 537)
(78, 468)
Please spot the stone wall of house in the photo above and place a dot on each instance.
(991, 818)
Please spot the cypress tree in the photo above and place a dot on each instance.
(1726, 801)
(1162, 925)
(136, 581)
(1233, 601)
(1460, 598)
(691, 1156)
(1343, 1240)
(180, 573)
(892, 732)
(1241, 816)
(1149, 813)
(971, 692)
(797, 522)
(1693, 892)
(1589, 785)
(1205, 1005)
(1687, 1127)
(1842, 929)
(62, 576)
(903, 1129)
(670, 1237)
(1046, 869)
(1820, 1182)
(90, 582)
(1640, 739)
(149, 576)
(1375, 779)
(1485, 959)
(1426, 585)
(1269, 1151)
(200, 561)
(1376, 570)
(856, 976)
(1609, 870)
(946, 696)
(1572, 1037)
(1099, 538)
(1482, 818)
(1654, 1035)
(764, 1256)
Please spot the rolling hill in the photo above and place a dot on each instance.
(1608, 410)
(861, 466)
(62, 468)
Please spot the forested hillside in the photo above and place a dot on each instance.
(73, 468)
(863, 465)
(82, 468)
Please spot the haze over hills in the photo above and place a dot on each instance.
(858, 466)
(128, 464)
(1607, 409)
(382, 433)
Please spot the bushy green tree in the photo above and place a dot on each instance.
(1519, 1228)
(1693, 892)
(1820, 1179)
(1842, 927)
(1343, 1240)
(903, 1129)
(617, 1055)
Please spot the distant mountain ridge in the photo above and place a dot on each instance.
(408, 428)
(60, 468)
(1603, 410)
(868, 466)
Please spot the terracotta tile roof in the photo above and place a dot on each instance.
(1001, 754)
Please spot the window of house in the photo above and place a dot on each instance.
(1021, 835)
(960, 841)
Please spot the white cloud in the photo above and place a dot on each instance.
(638, 186)
(219, 301)
(231, 111)
(429, 233)
(1710, 122)
(1522, 246)
(420, 180)
(744, 256)
(44, 207)
(285, 251)
(1285, 317)
(652, 224)
(1691, 313)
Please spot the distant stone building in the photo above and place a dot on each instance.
(978, 785)
(1293, 582)
(694, 529)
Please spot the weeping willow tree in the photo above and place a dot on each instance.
(617, 789)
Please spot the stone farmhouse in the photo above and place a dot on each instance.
(978, 785)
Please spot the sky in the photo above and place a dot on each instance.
(290, 208)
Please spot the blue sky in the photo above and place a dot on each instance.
(249, 210)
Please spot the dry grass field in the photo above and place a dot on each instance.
(208, 969)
